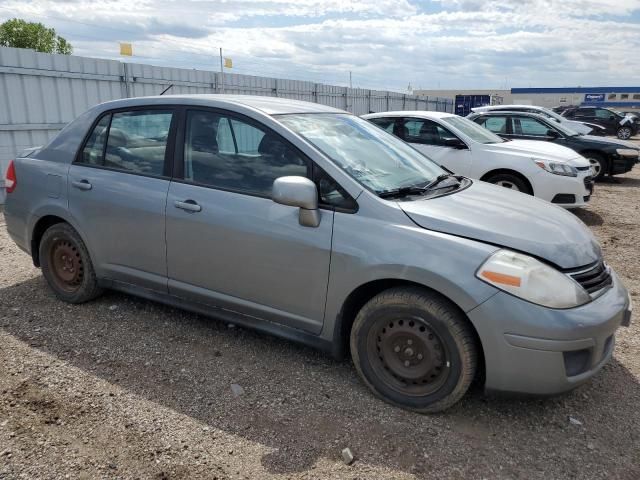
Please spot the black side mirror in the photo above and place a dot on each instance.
(455, 143)
(552, 134)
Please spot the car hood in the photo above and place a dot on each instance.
(502, 217)
(611, 141)
(537, 149)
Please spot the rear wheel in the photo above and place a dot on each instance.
(510, 181)
(66, 265)
(624, 133)
(414, 349)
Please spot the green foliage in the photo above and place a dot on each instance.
(21, 34)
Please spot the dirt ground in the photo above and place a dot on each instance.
(125, 388)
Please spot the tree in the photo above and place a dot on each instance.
(21, 34)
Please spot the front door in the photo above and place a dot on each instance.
(431, 138)
(228, 243)
(118, 191)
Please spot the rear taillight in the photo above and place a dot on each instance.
(11, 180)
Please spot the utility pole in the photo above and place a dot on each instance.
(350, 84)
(221, 73)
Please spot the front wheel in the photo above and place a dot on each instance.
(66, 265)
(624, 133)
(512, 182)
(414, 349)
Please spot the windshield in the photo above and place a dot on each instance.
(472, 130)
(373, 157)
(568, 131)
(550, 113)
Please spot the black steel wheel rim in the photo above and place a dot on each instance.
(408, 355)
(66, 265)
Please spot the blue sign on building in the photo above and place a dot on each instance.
(594, 97)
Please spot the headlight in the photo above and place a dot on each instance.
(533, 281)
(627, 152)
(557, 168)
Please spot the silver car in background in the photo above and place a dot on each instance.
(310, 223)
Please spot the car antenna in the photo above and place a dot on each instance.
(165, 90)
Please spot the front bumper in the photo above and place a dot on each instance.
(536, 350)
(568, 192)
(622, 164)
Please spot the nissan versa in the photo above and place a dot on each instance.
(308, 222)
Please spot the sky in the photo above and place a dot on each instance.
(392, 44)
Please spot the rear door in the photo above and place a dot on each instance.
(118, 188)
(430, 138)
(229, 245)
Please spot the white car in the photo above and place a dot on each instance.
(578, 127)
(546, 170)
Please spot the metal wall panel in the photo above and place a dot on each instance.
(40, 93)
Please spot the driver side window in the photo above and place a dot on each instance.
(529, 126)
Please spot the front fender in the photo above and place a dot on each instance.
(365, 250)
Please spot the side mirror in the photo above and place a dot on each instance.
(455, 143)
(612, 117)
(552, 134)
(298, 192)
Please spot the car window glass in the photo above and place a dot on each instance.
(330, 193)
(584, 112)
(228, 153)
(495, 124)
(529, 126)
(602, 113)
(384, 123)
(93, 151)
(137, 141)
(418, 130)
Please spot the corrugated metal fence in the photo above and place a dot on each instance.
(40, 93)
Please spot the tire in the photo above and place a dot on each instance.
(624, 133)
(599, 164)
(427, 363)
(510, 181)
(66, 265)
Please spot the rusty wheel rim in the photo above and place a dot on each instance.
(66, 265)
(408, 355)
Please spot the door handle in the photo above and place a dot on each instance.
(188, 205)
(82, 184)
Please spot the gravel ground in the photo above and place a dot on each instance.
(125, 388)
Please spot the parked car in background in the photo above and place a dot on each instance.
(551, 172)
(578, 127)
(607, 156)
(622, 126)
(308, 222)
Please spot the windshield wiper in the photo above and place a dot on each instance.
(416, 189)
(439, 179)
(402, 192)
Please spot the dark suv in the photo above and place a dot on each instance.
(616, 124)
(606, 155)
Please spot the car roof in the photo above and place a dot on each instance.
(267, 105)
(487, 108)
(509, 112)
(410, 113)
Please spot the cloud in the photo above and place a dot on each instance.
(452, 44)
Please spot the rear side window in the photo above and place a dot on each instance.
(224, 152)
(137, 141)
(133, 141)
(93, 152)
